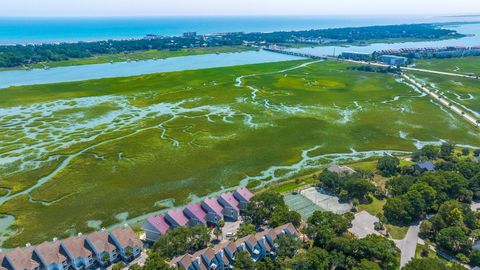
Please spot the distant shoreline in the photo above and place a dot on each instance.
(22, 31)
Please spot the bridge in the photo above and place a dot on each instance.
(298, 54)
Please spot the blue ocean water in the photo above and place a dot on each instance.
(40, 30)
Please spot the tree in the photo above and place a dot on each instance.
(388, 165)
(328, 220)
(330, 181)
(453, 239)
(181, 240)
(118, 266)
(358, 188)
(313, 259)
(155, 261)
(243, 261)
(397, 211)
(400, 185)
(246, 229)
(367, 265)
(379, 249)
(465, 151)
(261, 207)
(427, 263)
(219, 228)
(428, 152)
(283, 215)
(287, 246)
(446, 150)
(475, 257)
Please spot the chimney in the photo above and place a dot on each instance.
(55, 239)
(79, 234)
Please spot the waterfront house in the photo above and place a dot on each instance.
(184, 262)
(252, 245)
(230, 249)
(127, 242)
(243, 196)
(51, 256)
(222, 256)
(78, 255)
(341, 170)
(21, 259)
(230, 206)
(209, 259)
(104, 250)
(195, 213)
(426, 166)
(214, 211)
(176, 218)
(155, 226)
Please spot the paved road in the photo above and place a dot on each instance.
(408, 245)
(444, 101)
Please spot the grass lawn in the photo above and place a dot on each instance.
(135, 56)
(374, 208)
(397, 232)
(128, 144)
(418, 252)
(292, 185)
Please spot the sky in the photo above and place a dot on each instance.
(76, 8)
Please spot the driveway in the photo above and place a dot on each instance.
(408, 245)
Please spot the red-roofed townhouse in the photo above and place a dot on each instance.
(176, 218)
(154, 227)
(243, 195)
(195, 213)
(214, 211)
(230, 206)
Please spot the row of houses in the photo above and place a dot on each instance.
(222, 256)
(208, 212)
(435, 52)
(92, 251)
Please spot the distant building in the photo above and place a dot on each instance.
(208, 212)
(93, 251)
(341, 170)
(222, 256)
(357, 56)
(393, 60)
(190, 34)
(426, 166)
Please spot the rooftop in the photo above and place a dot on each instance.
(75, 245)
(178, 216)
(214, 205)
(197, 211)
(126, 237)
(101, 242)
(22, 258)
(50, 252)
(245, 193)
(230, 199)
(159, 223)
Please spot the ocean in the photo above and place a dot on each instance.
(49, 30)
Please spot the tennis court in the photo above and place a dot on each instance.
(325, 201)
(301, 205)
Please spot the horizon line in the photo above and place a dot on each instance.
(245, 15)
